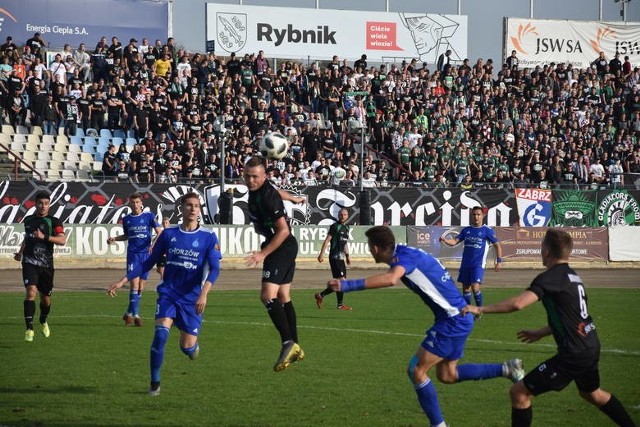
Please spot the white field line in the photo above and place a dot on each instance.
(361, 331)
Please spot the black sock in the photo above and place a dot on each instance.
(44, 312)
(521, 417)
(326, 292)
(29, 312)
(279, 318)
(614, 410)
(340, 296)
(291, 320)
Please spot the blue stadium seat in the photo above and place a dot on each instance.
(79, 132)
(119, 133)
(77, 140)
(105, 133)
(131, 142)
(117, 141)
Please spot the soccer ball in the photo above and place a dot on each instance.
(274, 146)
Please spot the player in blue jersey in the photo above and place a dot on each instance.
(477, 239)
(193, 265)
(138, 227)
(444, 343)
(564, 298)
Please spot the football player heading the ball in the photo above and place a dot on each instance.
(278, 257)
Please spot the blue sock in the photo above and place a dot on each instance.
(478, 297)
(135, 302)
(132, 297)
(479, 371)
(467, 297)
(428, 399)
(156, 355)
(189, 351)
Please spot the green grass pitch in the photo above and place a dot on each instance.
(93, 371)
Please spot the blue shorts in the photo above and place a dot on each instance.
(183, 314)
(449, 346)
(134, 265)
(471, 275)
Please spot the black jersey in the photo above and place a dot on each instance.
(265, 208)
(339, 237)
(37, 251)
(564, 298)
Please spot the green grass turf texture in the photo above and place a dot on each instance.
(93, 371)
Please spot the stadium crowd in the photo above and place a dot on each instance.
(466, 125)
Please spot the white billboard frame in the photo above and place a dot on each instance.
(542, 41)
(322, 33)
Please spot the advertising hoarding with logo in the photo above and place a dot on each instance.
(323, 33)
(524, 243)
(539, 42)
(75, 22)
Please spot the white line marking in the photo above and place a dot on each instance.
(365, 331)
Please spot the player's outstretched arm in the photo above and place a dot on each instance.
(506, 306)
(384, 280)
(291, 198)
(533, 335)
(111, 290)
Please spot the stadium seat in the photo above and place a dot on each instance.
(8, 129)
(36, 130)
(61, 147)
(62, 138)
(76, 140)
(32, 146)
(29, 156)
(131, 142)
(41, 165)
(91, 132)
(53, 175)
(86, 157)
(46, 146)
(73, 148)
(60, 131)
(85, 165)
(23, 130)
(105, 133)
(16, 145)
(97, 166)
(99, 155)
(119, 133)
(33, 138)
(71, 156)
(89, 148)
(70, 165)
(83, 175)
(51, 139)
(68, 175)
(44, 155)
(58, 156)
(117, 141)
(79, 132)
(55, 165)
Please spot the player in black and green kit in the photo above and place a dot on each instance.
(41, 232)
(277, 255)
(337, 239)
(565, 300)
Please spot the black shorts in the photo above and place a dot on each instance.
(338, 268)
(556, 373)
(41, 277)
(280, 265)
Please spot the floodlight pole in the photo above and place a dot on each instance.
(361, 157)
(223, 142)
